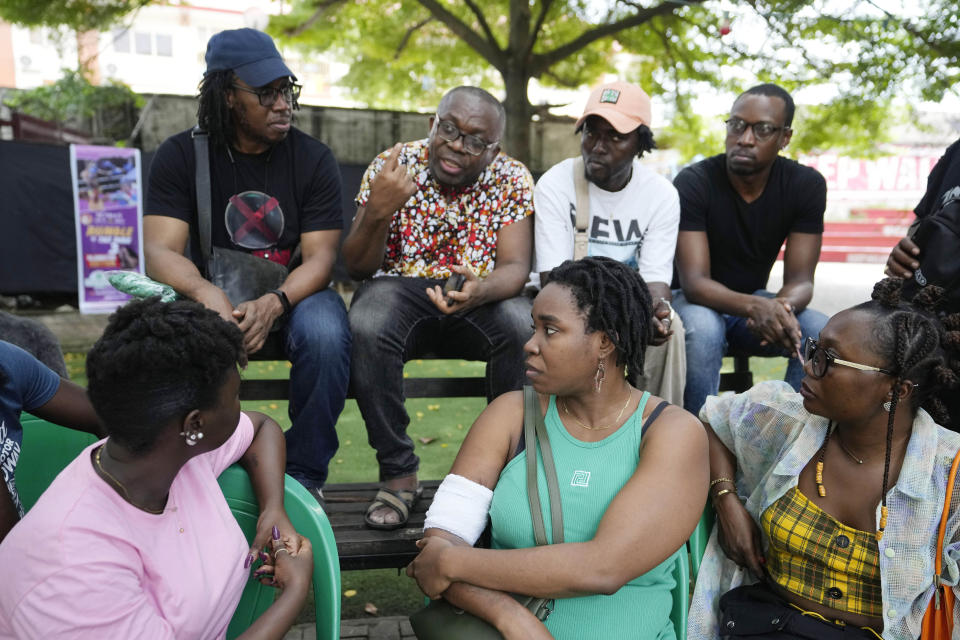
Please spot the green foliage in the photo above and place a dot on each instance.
(404, 54)
(81, 15)
(72, 99)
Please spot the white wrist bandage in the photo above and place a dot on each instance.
(460, 507)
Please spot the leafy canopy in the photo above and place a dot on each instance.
(81, 15)
(868, 57)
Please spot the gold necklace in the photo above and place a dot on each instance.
(846, 450)
(126, 494)
(588, 428)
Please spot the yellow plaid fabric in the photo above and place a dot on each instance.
(818, 558)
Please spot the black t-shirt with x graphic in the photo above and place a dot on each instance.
(299, 175)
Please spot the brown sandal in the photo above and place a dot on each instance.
(399, 500)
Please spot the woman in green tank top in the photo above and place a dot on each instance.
(630, 496)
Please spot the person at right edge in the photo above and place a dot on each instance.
(736, 211)
(829, 501)
(943, 190)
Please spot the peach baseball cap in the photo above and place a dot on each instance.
(625, 106)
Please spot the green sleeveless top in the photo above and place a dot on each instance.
(590, 474)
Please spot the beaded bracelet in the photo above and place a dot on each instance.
(713, 483)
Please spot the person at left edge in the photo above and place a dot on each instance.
(246, 102)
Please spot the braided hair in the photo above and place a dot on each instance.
(920, 346)
(614, 299)
(156, 362)
(213, 113)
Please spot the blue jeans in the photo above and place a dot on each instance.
(710, 335)
(393, 321)
(316, 339)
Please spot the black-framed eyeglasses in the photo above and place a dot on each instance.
(761, 130)
(268, 95)
(450, 132)
(820, 360)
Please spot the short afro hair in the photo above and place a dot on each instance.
(156, 362)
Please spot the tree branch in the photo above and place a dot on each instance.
(488, 50)
(482, 20)
(409, 34)
(535, 32)
(544, 61)
(322, 6)
(919, 35)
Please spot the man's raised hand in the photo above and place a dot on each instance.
(391, 187)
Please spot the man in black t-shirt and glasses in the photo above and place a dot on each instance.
(736, 211)
(272, 188)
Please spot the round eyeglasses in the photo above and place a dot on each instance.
(450, 132)
(820, 360)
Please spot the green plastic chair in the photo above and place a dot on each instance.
(681, 593)
(699, 538)
(310, 521)
(48, 448)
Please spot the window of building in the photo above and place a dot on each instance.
(143, 43)
(121, 40)
(164, 45)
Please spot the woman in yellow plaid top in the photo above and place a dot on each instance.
(828, 501)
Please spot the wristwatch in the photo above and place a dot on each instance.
(284, 300)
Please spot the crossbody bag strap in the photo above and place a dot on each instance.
(553, 487)
(530, 411)
(201, 154)
(582, 189)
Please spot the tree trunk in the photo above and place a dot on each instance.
(516, 139)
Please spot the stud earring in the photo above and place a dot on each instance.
(193, 437)
(887, 405)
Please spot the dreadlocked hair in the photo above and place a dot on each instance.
(921, 347)
(213, 113)
(645, 141)
(614, 299)
(156, 362)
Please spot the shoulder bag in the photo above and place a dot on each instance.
(440, 620)
(938, 620)
(242, 276)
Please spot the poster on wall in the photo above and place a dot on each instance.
(107, 206)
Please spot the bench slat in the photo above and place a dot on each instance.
(360, 547)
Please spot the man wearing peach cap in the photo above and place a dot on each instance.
(606, 203)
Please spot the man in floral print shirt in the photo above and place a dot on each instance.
(450, 204)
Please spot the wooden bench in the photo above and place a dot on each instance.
(362, 548)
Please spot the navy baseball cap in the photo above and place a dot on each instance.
(251, 54)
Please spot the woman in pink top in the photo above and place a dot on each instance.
(134, 539)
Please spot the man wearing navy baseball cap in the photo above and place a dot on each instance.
(275, 193)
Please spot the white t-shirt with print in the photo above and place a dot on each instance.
(636, 225)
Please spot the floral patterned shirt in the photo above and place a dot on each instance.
(441, 226)
(773, 437)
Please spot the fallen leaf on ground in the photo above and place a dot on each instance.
(433, 407)
(426, 440)
(371, 608)
(349, 593)
(420, 414)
